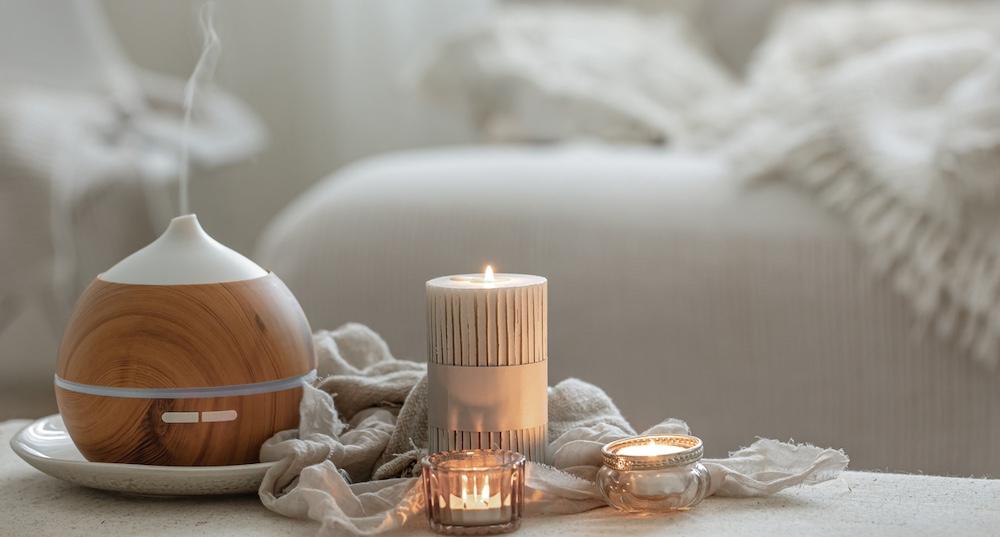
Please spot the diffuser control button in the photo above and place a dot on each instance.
(179, 417)
(219, 415)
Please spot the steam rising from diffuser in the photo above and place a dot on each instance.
(211, 47)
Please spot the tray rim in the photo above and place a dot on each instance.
(41, 461)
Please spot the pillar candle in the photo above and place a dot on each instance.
(487, 345)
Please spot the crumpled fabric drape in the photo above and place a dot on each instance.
(353, 463)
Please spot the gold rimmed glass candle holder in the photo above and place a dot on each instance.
(474, 492)
(653, 473)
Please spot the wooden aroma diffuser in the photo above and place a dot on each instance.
(184, 353)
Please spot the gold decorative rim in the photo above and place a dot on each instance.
(692, 453)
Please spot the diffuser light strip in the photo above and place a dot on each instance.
(188, 393)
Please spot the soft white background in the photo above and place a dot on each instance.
(327, 78)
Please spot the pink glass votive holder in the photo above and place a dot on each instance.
(474, 492)
(653, 473)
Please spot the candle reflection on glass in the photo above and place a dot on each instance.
(477, 506)
(474, 491)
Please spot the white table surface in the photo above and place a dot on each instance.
(35, 505)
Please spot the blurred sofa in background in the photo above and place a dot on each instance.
(679, 291)
(712, 248)
(705, 248)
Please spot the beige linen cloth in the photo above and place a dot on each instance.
(353, 462)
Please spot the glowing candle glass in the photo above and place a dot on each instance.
(653, 473)
(474, 492)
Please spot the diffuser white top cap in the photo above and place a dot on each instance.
(184, 254)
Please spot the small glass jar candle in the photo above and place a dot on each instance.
(474, 492)
(653, 473)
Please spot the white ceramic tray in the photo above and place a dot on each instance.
(46, 445)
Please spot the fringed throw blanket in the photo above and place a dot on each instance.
(890, 113)
(352, 463)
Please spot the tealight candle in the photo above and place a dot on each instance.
(653, 473)
(477, 505)
(474, 491)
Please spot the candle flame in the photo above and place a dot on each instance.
(488, 273)
(650, 448)
(484, 495)
(465, 487)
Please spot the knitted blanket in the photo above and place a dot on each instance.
(889, 113)
(352, 463)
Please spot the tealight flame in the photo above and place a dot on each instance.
(488, 274)
(484, 495)
(649, 449)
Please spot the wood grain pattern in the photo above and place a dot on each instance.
(182, 336)
(127, 430)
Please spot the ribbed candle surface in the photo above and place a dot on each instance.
(491, 325)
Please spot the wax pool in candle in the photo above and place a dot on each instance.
(648, 483)
(487, 279)
(649, 449)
